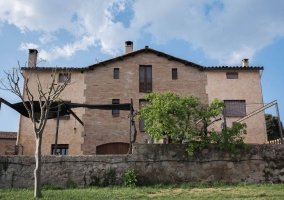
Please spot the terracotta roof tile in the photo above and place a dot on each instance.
(8, 135)
(233, 68)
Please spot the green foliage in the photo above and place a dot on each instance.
(272, 127)
(231, 138)
(187, 118)
(130, 178)
(170, 115)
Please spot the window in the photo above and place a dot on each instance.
(232, 75)
(62, 149)
(235, 108)
(142, 102)
(174, 73)
(115, 112)
(63, 77)
(116, 73)
(145, 78)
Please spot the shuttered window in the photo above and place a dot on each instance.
(145, 78)
(235, 108)
(232, 75)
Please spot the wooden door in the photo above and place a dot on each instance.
(112, 148)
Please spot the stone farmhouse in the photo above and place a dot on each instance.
(131, 76)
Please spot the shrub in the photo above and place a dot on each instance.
(130, 178)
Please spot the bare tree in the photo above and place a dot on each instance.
(45, 95)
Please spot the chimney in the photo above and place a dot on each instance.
(32, 58)
(128, 46)
(245, 62)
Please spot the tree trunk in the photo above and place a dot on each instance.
(37, 171)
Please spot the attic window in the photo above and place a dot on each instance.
(232, 75)
(63, 77)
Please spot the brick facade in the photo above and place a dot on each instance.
(96, 85)
(101, 127)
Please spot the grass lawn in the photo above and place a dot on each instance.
(174, 192)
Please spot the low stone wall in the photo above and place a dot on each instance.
(154, 163)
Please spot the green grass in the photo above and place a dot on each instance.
(172, 191)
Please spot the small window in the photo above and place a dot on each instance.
(61, 149)
(232, 75)
(174, 73)
(115, 112)
(116, 73)
(63, 77)
(235, 108)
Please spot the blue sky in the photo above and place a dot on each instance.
(73, 33)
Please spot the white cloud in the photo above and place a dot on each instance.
(67, 50)
(27, 46)
(46, 38)
(224, 30)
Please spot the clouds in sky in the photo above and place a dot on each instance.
(225, 30)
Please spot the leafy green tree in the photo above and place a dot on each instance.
(272, 127)
(170, 115)
(187, 118)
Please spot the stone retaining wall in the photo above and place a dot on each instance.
(154, 163)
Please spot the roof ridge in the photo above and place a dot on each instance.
(146, 49)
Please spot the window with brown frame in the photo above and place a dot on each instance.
(61, 149)
(116, 73)
(174, 73)
(145, 78)
(115, 112)
(235, 108)
(232, 75)
(63, 77)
